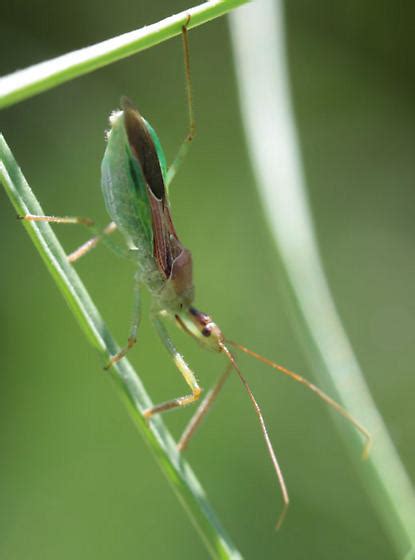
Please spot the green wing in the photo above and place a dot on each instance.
(133, 170)
(123, 184)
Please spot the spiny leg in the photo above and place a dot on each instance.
(202, 410)
(75, 255)
(91, 243)
(104, 237)
(135, 323)
(184, 369)
(184, 148)
(57, 219)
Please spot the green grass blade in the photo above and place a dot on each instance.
(46, 75)
(126, 380)
(275, 157)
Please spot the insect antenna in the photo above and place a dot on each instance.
(323, 396)
(268, 443)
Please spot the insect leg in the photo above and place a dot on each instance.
(57, 219)
(184, 148)
(203, 408)
(135, 323)
(102, 236)
(99, 235)
(184, 369)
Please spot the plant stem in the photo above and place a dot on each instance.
(127, 382)
(46, 75)
(260, 63)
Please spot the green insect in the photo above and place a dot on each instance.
(135, 182)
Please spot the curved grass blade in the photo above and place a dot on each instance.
(269, 121)
(51, 73)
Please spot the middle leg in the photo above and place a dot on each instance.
(184, 369)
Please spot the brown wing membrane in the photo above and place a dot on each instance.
(173, 260)
(166, 245)
(143, 148)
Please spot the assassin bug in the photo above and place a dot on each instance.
(135, 182)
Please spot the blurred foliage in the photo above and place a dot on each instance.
(75, 479)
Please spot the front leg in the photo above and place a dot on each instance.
(184, 369)
(99, 235)
(57, 219)
(91, 243)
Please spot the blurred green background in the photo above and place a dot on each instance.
(76, 481)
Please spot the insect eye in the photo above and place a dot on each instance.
(206, 331)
